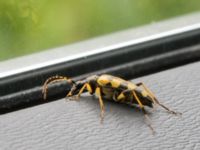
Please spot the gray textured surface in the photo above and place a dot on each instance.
(76, 125)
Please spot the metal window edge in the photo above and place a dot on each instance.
(145, 38)
(99, 45)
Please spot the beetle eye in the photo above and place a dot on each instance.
(73, 82)
(76, 88)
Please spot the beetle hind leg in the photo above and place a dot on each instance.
(151, 94)
(148, 120)
(166, 108)
(155, 100)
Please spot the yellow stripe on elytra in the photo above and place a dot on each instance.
(144, 94)
(131, 86)
(103, 81)
(115, 83)
(121, 96)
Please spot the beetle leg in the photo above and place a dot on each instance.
(144, 111)
(166, 108)
(145, 87)
(53, 80)
(98, 92)
(70, 93)
(121, 97)
(148, 91)
(86, 85)
(156, 100)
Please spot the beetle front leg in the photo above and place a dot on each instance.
(85, 86)
(71, 93)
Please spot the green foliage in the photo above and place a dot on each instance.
(28, 26)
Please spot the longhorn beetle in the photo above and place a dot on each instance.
(113, 88)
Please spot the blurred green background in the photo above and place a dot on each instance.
(28, 26)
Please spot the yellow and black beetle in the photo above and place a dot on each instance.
(113, 88)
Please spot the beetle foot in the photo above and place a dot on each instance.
(74, 98)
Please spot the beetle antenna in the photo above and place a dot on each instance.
(54, 79)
